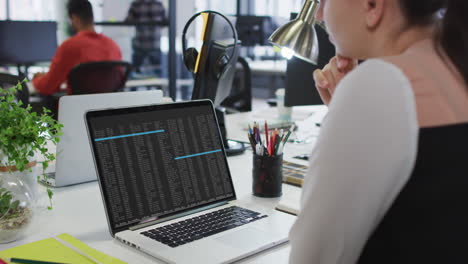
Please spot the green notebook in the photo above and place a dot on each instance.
(51, 250)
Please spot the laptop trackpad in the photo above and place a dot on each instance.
(247, 238)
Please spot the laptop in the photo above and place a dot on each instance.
(74, 163)
(167, 189)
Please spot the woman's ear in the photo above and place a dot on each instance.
(373, 12)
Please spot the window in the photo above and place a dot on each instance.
(3, 10)
(36, 10)
(224, 7)
(277, 8)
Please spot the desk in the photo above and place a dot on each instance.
(305, 117)
(131, 24)
(157, 82)
(78, 210)
(268, 67)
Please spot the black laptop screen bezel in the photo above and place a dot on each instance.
(148, 108)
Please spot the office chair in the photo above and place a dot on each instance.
(99, 77)
(240, 99)
(8, 80)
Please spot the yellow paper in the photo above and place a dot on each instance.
(53, 251)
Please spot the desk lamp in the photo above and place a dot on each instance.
(298, 37)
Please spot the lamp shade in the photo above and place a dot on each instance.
(298, 37)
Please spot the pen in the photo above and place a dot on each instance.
(252, 143)
(266, 133)
(273, 142)
(259, 150)
(30, 261)
(258, 134)
(288, 134)
(278, 143)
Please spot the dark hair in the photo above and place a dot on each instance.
(82, 9)
(452, 35)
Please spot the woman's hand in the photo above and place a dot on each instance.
(328, 78)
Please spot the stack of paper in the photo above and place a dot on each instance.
(290, 201)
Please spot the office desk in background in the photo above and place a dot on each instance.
(157, 82)
(161, 82)
(79, 211)
(268, 75)
(268, 67)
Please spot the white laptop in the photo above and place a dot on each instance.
(167, 189)
(74, 162)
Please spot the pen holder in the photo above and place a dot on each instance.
(267, 175)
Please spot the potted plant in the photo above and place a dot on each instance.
(23, 134)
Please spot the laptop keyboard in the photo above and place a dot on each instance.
(195, 228)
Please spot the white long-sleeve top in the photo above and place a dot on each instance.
(364, 156)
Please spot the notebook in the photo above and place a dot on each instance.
(53, 251)
(167, 188)
(290, 202)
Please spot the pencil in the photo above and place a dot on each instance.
(30, 261)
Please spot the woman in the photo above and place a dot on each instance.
(388, 177)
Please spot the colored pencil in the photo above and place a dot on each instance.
(30, 261)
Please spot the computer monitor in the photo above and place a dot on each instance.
(254, 30)
(27, 42)
(207, 84)
(217, 43)
(300, 84)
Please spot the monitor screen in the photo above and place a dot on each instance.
(207, 84)
(300, 84)
(155, 161)
(218, 42)
(27, 42)
(254, 30)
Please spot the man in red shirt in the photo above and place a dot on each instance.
(85, 46)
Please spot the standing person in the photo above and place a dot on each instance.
(85, 46)
(147, 42)
(388, 176)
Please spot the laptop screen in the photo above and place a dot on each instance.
(159, 160)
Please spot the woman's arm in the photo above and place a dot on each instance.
(363, 158)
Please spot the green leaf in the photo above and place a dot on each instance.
(23, 133)
(14, 206)
(50, 193)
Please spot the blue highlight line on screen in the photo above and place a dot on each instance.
(131, 135)
(198, 154)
